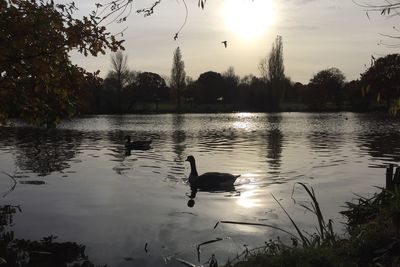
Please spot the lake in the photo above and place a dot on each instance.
(77, 183)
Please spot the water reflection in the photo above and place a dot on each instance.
(379, 137)
(144, 197)
(178, 137)
(46, 252)
(44, 152)
(222, 139)
(274, 143)
(220, 190)
(325, 135)
(384, 147)
(192, 196)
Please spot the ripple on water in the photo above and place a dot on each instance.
(94, 192)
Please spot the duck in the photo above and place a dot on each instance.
(209, 180)
(138, 144)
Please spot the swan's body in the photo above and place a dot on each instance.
(209, 180)
(138, 145)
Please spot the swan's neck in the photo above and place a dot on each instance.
(193, 173)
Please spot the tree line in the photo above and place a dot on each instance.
(127, 91)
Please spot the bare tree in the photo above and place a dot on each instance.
(273, 72)
(276, 70)
(119, 67)
(231, 75)
(271, 67)
(120, 73)
(119, 10)
(178, 75)
(387, 8)
(263, 68)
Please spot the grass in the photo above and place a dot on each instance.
(372, 237)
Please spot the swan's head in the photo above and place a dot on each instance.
(190, 159)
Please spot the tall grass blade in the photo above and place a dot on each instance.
(305, 240)
(317, 210)
(205, 243)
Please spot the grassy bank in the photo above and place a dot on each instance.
(371, 239)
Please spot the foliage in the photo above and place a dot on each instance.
(211, 86)
(38, 82)
(273, 72)
(373, 238)
(231, 83)
(178, 75)
(353, 93)
(252, 93)
(275, 253)
(326, 86)
(151, 87)
(382, 81)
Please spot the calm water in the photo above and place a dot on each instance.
(76, 182)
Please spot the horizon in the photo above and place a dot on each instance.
(330, 34)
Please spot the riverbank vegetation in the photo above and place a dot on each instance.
(371, 238)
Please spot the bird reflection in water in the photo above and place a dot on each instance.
(136, 145)
(215, 182)
(195, 190)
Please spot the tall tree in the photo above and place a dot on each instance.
(178, 75)
(273, 72)
(276, 69)
(230, 75)
(120, 73)
(231, 84)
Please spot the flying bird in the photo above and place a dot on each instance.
(225, 43)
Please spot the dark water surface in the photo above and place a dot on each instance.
(76, 182)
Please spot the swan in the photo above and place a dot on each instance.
(138, 144)
(209, 180)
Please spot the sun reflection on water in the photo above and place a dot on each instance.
(243, 121)
(249, 199)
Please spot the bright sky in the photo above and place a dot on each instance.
(317, 34)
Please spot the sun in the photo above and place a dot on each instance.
(248, 18)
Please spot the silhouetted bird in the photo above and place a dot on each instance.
(209, 180)
(225, 43)
(138, 145)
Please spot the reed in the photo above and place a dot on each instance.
(372, 237)
(324, 235)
